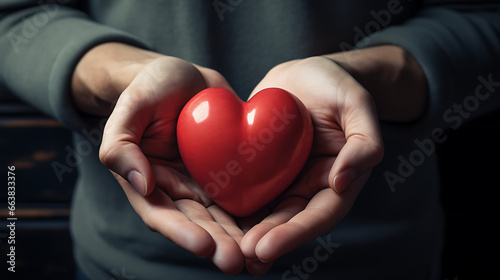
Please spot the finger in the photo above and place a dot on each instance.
(299, 229)
(312, 180)
(176, 184)
(283, 213)
(246, 223)
(321, 215)
(226, 221)
(254, 266)
(363, 148)
(120, 149)
(257, 268)
(227, 255)
(160, 214)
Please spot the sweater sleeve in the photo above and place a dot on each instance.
(458, 49)
(39, 49)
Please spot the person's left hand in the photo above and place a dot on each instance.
(347, 145)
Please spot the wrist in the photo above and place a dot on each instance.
(103, 73)
(393, 77)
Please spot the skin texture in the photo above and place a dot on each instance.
(143, 93)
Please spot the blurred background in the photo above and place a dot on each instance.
(33, 143)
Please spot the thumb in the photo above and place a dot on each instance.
(363, 148)
(120, 149)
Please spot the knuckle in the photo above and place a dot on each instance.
(103, 152)
(315, 60)
(106, 156)
(149, 225)
(213, 77)
(378, 151)
(150, 221)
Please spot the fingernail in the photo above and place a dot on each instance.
(137, 181)
(343, 180)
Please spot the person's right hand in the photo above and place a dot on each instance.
(139, 146)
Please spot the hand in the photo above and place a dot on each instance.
(347, 144)
(347, 140)
(139, 147)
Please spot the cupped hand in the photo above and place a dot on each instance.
(347, 145)
(139, 147)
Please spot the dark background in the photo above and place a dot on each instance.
(469, 162)
(470, 169)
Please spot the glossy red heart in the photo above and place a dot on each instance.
(244, 154)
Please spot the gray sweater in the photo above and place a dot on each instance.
(394, 230)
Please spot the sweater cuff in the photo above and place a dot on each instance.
(77, 36)
(456, 51)
(426, 47)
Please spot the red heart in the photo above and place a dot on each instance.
(244, 154)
